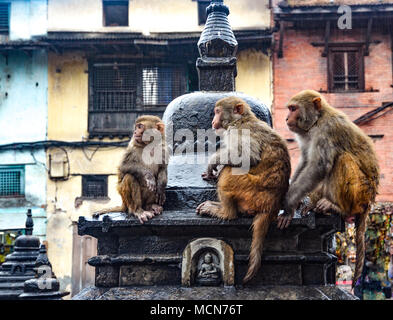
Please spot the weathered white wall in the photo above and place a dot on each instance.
(152, 16)
(28, 18)
(23, 118)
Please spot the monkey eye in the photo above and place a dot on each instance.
(292, 108)
(140, 126)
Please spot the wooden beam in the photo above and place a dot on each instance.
(280, 52)
(327, 37)
(368, 36)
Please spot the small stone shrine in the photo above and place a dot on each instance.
(180, 255)
(44, 286)
(27, 273)
(19, 265)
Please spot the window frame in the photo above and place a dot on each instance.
(140, 107)
(115, 2)
(346, 48)
(21, 169)
(6, 31)
(84, 182)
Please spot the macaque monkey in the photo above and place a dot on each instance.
(338, 168)
(142, 174)
(260, 190)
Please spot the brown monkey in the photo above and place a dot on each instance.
(142, 174)
(261, 190)
(338, 166)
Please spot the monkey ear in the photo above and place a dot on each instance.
(239, 108)
(317, 103)
(160, 127)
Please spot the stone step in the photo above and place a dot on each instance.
(129, 259)
(328, 292)
(15, 278)
(10, 294)
(184, 217)
(12, 286)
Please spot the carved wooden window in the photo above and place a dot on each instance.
(121, 91)
(115, 13)
(4, 18)
(12, 181)
(346, 69)
(202, 16)
(94, 186)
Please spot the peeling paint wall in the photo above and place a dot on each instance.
(28, 18)
(254, 75)
(67, 120)
(153, 16)
(23, 118)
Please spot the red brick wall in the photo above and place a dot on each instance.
(303, 67)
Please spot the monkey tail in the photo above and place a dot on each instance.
(260, 227)
(104, 211)
(360, 228)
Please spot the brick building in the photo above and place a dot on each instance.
(352, 67)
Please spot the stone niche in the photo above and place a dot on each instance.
(209, 262)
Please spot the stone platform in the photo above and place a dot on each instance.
(133, 254)
(329, 292)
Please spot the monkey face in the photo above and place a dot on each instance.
(293, 117)
(228, 110)
(146, 124)
(138, 132)
(303, 112)
(216, 123)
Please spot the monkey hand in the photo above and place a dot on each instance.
(284, 220)
(150, 181)
(209, 176)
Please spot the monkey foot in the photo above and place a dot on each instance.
(324, 206)
(157, 209)
(145, 216)
(212, 209)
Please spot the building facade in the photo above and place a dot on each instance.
(109, 62)
(346, 54)
(23, 117)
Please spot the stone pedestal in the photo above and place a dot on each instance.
(152, 253)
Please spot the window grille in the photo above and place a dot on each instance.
(202, 6)
(4, 18)
(120, 91)
(115, 13)
(346, 70)
(94, 186)
(162, 84)
(12, 181)
(114, 87)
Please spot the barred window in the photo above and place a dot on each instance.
(120, 91)
(94, 186)
(346, 69)
(115, 13)
(12, 180)
(4, 18)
